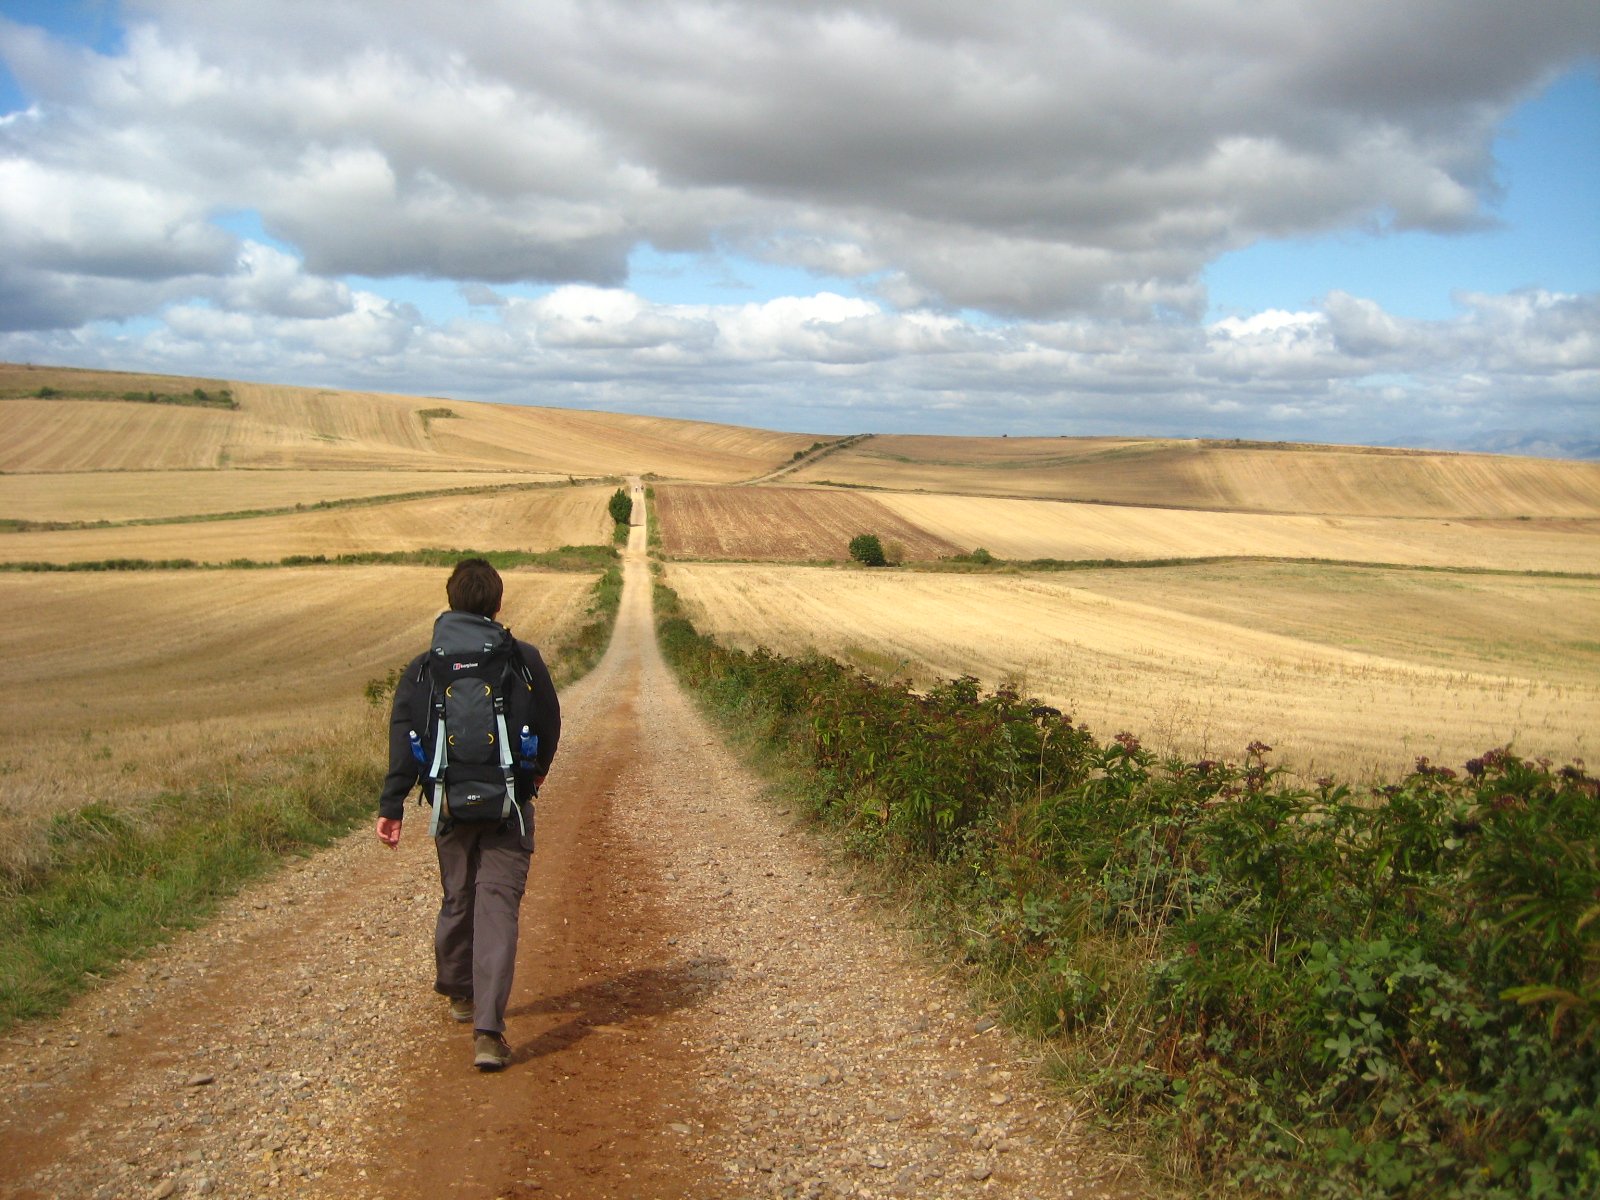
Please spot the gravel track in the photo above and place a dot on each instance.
(703, 1008)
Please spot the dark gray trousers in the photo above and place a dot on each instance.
(483, 868)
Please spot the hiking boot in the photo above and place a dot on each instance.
(490, 1052)
(461, 1008)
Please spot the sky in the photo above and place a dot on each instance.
(1375, 222)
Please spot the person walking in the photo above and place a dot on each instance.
(483, 856)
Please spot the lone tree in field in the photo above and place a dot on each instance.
(621, 507)
(866, 549)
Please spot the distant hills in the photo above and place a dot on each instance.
(1536, 444)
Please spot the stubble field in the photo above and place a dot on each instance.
(306, 428)
(1352, 673)
(158, 495)
(539, 519)
(126, 685)
(1031, 529)
(782, 524)
(1223, 476)
(816, 525)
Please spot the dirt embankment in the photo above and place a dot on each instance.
(702, 1009)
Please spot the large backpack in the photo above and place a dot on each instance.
(480, 713)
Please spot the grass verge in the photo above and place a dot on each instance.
(576, 655)
(117, 882)
(1279, 991)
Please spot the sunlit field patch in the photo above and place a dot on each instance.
(1357, 683)
(129, 684)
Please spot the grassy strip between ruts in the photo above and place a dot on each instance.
(567, 558)
(1280, 992)
(117, 883)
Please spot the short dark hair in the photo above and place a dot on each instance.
(475, 587)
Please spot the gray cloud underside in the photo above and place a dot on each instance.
(1024, 157)
(833, 364)
(1066, 167)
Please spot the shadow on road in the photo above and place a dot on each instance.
(610, 1004)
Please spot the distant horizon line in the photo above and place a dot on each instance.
(1499, 443)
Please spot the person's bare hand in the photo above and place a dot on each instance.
(389, 831)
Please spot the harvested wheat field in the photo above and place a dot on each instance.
(1205, 682)
(536, 519)
(784, 524)
(1228, 476)
(592, 443)
(1545, 628)
(156, 495)
(1029, 529)
(134, 679)
(292, 427)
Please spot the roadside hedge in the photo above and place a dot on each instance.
(1295, 992)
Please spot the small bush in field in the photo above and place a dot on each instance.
(620, 506)
(866, 549)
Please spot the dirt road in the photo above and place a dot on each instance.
(702, 1009)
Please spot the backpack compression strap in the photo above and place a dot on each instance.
(511, 781)
(441, 759)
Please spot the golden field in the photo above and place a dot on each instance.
(305, 428)
(1223, 476)
(158, 495)
(139, 682)
(540, 519)
(1029, 529)
(782, 524)
(142, 682)
(1350, 672)
(790, 524)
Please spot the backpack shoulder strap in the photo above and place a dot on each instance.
(523, 669)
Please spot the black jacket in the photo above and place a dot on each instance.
(410, 712)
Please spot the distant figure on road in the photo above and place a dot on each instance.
(476, 721)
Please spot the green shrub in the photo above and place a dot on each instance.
(620, 507)
(866, 549)
(1299, 992)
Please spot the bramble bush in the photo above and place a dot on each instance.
(1299, 992)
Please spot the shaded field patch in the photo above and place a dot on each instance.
(784, 525)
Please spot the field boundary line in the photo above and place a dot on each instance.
(565, 558)
(1004, 566)
(807, 458)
